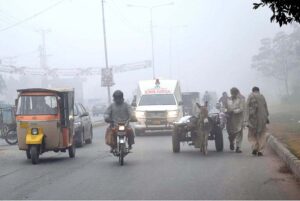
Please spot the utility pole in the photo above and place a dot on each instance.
(105, 49)
(43, 56)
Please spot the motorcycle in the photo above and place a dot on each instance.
(9, 135)
(121, 150)
(8, 130)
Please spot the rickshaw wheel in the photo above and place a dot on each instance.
(28, 154)
(72, 151)
(34, 154)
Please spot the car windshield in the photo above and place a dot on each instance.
(37, 105)
(157, 99)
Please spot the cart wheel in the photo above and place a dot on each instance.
(11, 137)
(218, 139)
(34, 153)
(175, 141)
(72, 150)
(28, 154)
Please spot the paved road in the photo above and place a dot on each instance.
(152, 171)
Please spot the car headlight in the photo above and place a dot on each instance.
(77, 124)
(139, 114)
(34, 131)
(172, 114)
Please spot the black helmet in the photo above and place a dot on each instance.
(118, 96)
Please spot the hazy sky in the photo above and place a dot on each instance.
(212, 41)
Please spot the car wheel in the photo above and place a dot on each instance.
(90, 140)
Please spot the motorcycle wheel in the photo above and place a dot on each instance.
(34, 153)
(121, 155)
(11, 137)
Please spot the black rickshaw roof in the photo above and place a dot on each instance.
(55, 90)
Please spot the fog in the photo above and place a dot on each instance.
(207, 45)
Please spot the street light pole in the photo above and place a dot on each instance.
(151, 28)
(152, 43)
(105, 49)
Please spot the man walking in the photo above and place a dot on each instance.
(235, 119)
(257, 118)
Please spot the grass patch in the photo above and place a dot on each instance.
(285, 125)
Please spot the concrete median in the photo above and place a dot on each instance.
(284, 154)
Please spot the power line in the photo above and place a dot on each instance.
(32, 16)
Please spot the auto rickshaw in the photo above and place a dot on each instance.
(45, 121)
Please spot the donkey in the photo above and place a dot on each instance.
(203, 128)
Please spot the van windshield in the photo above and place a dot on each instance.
(37, 105)
(157, 99)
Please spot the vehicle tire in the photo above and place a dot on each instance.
(11, 137)
(219, 139)
(28, 156)
(90, 140)
(121, 155)
(72, 150)
(34, 153)
(80, 141)
(175, 141)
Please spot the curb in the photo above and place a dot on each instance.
(284, 154)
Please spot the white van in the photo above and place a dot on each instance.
(159, 104)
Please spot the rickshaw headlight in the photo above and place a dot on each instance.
(34, 131)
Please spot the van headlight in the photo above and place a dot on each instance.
(172, 113)
(139, 114)
(34, 131)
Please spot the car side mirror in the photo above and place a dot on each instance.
(84, 114)
(180, 103)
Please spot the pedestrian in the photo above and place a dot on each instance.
(235, 119)
(257, 117)
(224, 99)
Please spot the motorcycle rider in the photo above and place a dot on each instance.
(119, 111)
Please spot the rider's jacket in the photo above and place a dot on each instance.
(118, 112)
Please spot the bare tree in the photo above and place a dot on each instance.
(278, 57)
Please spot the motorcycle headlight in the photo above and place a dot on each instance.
(34, 131)
(121, 128)
(139, 114)
(172, 114)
